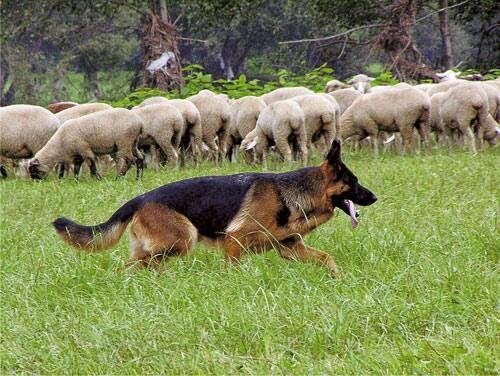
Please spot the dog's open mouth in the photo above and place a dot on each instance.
(348, 207)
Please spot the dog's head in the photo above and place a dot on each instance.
(343, 188)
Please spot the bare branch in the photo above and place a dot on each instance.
(343, 48)
(193, 40)
(177, 19)
(440, 10)
(333, 36)
(367, 27)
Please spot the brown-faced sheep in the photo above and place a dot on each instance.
(244, 114)
(114, 131)
(24, 130)
(281, 123)
(215, 115)
(60, 106)
(81, 110)
(400, 110)
(334, 85)
(345, 97)
(163, 128)
(464, 105)
(285, 93)
(321, 119)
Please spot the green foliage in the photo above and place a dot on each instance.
(492, 74)
(196, 79)
(385, 78)
(489, 75)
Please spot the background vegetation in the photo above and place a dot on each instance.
(97, 50)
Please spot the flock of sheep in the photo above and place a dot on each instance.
(290, 121)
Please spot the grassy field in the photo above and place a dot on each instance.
(418, 293)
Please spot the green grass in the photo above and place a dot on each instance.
(418, 293)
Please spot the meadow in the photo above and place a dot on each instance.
(418, 292)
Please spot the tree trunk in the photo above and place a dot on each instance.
(161, 67)
(7, 88)
(444, 27)
(404, 58)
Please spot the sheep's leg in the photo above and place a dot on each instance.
(468, 135)
(139, 161)
(123, 165)
(93, 169)
(284, 148)
(3, 171)
(374, 142)
(260, 150)
(62, 169)
(407, 136)
(169, 150)
(209, 140)
(77, 164)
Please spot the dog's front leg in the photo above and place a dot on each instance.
(295, 249)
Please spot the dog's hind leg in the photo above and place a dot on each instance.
(158, 232)
(294, 249)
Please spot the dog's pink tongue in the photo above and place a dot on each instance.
(352, 213)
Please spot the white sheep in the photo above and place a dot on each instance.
(285, 93)
(24, 130)
(282, 124)
(398, 110)
(321, 117)
(192, 138)
(215, 114)
(334, 85)
(81, 110)
(151, 100)
(244, 114)
(461, 107)
(361, 83)
(114, 131)
(163, 127)
(345, 97)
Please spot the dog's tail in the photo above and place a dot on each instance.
(98, 237)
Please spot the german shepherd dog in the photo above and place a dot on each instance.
(248, 211)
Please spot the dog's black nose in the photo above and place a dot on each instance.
(374, 198)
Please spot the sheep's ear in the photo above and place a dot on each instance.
(371, 78)
(333, 156)
(252, 144)
(350, 82)
(440, 75)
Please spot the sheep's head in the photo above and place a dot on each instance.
(449, 75)
(334, 85)
(361, 82)
(247, 148)
(36, 169)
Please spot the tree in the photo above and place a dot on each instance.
(444, 28)
(160, 66)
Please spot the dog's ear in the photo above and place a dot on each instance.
(333, 156)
